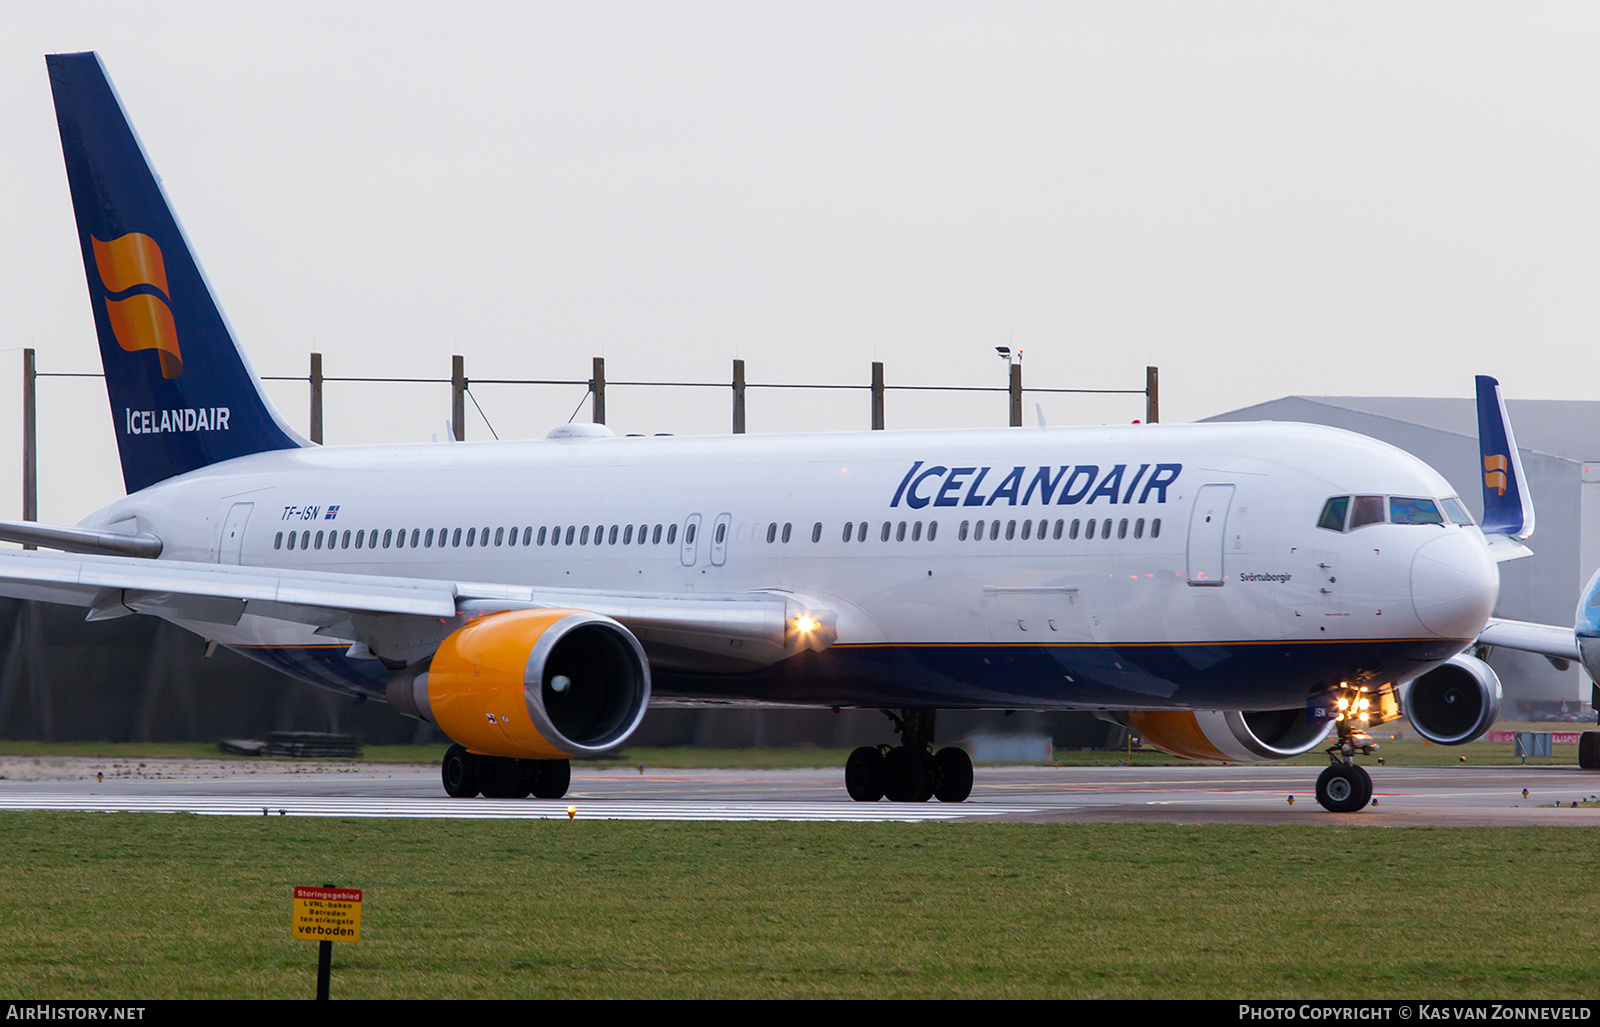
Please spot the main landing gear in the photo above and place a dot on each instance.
(911, 771)
(467, 774)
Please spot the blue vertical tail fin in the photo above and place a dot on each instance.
(1507, 500)
(182, 392)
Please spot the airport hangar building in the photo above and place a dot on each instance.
(1560, 445)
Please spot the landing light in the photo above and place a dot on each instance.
(805, 625)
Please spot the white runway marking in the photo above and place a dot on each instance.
(504, 809)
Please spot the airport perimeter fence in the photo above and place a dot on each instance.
(461, 392)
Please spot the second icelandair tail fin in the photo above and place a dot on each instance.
(183, 394)
(1507, 501)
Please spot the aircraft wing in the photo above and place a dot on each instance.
(401, 620)
(1548, 640)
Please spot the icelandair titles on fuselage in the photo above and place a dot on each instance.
(155, 422)
(1063, 485)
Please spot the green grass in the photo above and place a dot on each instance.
(175, 906)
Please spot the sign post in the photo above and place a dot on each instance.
(326, 914)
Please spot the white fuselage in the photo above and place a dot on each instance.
(1207, 582)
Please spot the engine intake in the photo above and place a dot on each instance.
(1454, 703)
(534, 684)
(1250, 736)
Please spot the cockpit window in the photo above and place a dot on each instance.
(1455, 511)
(1404, 510)
(1333, 512)
(1368, 510)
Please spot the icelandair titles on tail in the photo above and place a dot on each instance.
(156, 422)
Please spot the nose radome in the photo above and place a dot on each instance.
(1454, 584)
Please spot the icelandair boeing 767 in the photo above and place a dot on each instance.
(1230, 591)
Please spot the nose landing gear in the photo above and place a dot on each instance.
(1345, 787)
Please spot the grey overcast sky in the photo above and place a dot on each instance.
(1260, 198)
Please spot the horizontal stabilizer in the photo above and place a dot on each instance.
(1504, 547)
(81, 540)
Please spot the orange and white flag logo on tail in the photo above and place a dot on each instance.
(142, 320)
(1494, 473)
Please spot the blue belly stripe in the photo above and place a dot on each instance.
(1231, 675)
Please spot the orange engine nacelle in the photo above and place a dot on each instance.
(1234, 737)
(533, 684)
